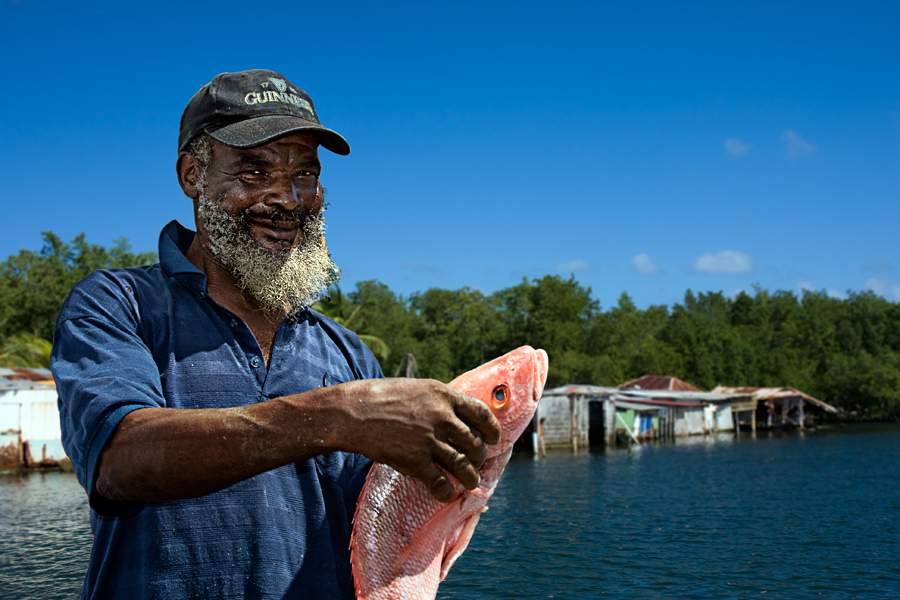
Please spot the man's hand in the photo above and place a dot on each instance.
(416, 426)
(413, 425)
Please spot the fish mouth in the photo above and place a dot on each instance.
(541, 369)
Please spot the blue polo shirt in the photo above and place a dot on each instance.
(128, 339)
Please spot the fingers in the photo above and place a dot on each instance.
(437, 483)
(476, 414)
(458, 465)
(468, 443)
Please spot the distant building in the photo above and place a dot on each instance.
(30, 435)
(780, 407)
(657, 406)
(578, 415)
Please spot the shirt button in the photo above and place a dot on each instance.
(254, 362)
(233, 323)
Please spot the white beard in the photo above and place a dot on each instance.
(279, 280)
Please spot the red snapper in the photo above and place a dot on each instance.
(404, 540)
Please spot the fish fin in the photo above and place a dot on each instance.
(460, 542)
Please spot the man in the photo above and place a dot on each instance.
(222, 429)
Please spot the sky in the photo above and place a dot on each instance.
(641, 147)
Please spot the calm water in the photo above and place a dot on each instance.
(787, 516)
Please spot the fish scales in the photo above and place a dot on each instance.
(404, 540)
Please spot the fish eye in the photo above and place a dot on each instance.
(500, 397)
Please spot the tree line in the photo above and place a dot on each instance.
(843, 351)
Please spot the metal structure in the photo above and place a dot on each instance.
(30, 435)
(577, 415)
(783, 407)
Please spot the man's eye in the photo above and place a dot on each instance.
(307, 174)
(252, 175)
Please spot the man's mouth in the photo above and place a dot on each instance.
(281, 230)
(273, 225)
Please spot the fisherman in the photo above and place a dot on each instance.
(221, 428)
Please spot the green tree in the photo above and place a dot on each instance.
(25, 350)
(33, 285)
(343, 312)
(557, 315)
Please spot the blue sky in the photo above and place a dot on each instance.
(647, 147)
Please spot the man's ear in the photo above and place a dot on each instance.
(189, 171)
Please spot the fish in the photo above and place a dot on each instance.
(405, 540)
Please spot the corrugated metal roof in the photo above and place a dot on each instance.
(636, 406)
(665, 397)
(585, 390)
(659, 382)
(25, 379)
(772, 393)
(657, 403)
(683, 396)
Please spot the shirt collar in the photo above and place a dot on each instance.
(174, 241)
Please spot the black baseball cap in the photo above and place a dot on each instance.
(251, 108)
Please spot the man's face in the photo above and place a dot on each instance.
(270, 189)
(260, 213)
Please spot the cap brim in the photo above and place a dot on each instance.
(261, 130)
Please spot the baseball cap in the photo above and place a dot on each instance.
(251, 108)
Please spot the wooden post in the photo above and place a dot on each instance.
(575, 427)
(609, 422)
(542, 450)
(800, 414)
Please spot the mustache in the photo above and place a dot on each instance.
(277, 215)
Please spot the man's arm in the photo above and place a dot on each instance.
(412, 425)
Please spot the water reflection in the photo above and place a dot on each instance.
(814, 515)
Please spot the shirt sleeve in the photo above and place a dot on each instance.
(103, 371)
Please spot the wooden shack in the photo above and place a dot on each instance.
(776, 407)
(578, 415)
(30, 434)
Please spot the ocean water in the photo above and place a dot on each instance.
(785, 516)
(780, 515)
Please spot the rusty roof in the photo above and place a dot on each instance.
(25, 379)
(774, 393)
(680, 397)
(662, 402)
(658, 382)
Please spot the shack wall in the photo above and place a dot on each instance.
(689, 420)
(557, 415)
(723, 418)
(29, 428)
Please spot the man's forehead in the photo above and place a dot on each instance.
(298, 143)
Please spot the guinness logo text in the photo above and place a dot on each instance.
(270, 96)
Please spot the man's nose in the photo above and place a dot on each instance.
(290, 193)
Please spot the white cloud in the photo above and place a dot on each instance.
(836, 293)
(796, 145)
(736, 147)
(573, 266)
(885, 288)
(727, 261)
(643, 264)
